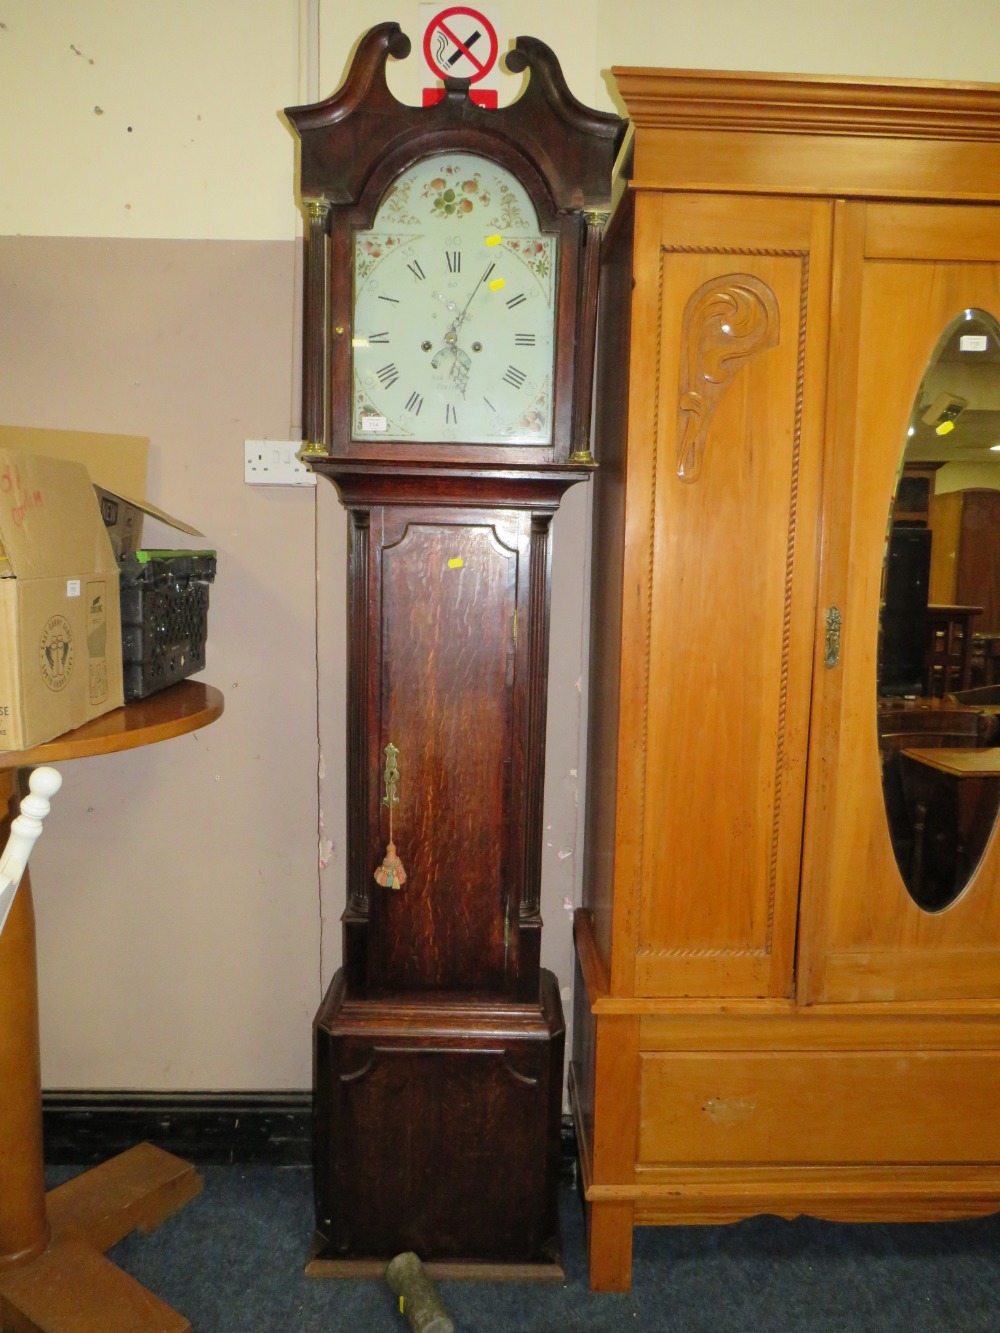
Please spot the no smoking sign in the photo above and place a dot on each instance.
(461, 42)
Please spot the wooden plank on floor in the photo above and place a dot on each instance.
(137, 1189)
(73, 1288)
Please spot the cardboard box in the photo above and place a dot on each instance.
(60, 625)
(123, 519)
(117, 467)
(118, 462)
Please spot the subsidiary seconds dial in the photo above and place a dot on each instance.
(454, 311)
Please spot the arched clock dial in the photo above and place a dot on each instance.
(454, 310)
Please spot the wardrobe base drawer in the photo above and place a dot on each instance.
(818, 1106)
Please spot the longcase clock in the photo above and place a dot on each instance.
(450, 302)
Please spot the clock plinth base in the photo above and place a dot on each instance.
(456, 1271)
(437, 1127)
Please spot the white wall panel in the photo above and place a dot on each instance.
(198, 962)
(148, 118)
(918, 39)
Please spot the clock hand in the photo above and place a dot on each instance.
(461, 364)
(460, 361)
(458, 322)
(460, 367)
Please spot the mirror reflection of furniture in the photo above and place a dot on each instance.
(965, 564)
(941, 604)
(904, 611)
(948, 648)
(966, 528)
(986, 658)
(953, 794)
(908, 725)
(53, 1272)
(914, 492)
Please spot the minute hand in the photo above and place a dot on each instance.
(459, 319)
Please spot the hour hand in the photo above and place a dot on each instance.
(460, 363)
(460, 367)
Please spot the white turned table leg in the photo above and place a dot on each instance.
(24, 830)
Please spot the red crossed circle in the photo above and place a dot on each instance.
(444, 23)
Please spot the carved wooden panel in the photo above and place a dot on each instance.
(727, 320)
(731, 569)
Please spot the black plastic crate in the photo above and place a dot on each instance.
(164, 601)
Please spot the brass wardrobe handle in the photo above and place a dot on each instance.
(834, 622)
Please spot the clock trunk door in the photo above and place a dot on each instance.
(448, 596)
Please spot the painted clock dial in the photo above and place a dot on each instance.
(454, 310)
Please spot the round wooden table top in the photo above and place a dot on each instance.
(173, 712)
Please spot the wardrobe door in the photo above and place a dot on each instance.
(876, 923)
(729, 330)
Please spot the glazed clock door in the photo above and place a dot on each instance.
(446, 593)
(873, 928)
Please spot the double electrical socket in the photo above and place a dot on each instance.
(275, 463)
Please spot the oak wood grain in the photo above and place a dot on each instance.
(455, 1101)
(447, 651)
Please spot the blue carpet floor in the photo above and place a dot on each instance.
(232, 1261)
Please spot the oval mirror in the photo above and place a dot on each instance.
(939, 641)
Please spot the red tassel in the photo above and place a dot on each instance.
(390, 873)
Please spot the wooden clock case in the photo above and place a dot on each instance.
(766, 1020)
(439, 1045)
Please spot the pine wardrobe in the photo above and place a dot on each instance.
(769, 1018)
